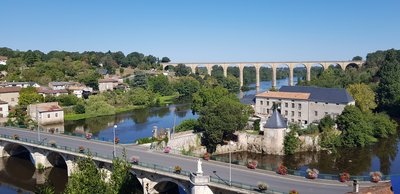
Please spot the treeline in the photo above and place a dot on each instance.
(66, 66)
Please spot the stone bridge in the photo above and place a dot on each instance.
(273, 65)
(152, 178)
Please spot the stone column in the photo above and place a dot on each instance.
(273, 76)
(71, 167)
(241, 67)
(209, 68)
(225, 68)
(308, 67)
(193, 67)
(291, 75)
(257, 75)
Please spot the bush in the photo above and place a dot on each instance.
(293, 192)
(291, 141)
(312, 173)
(256, 125)
(187, 125)
(146, 140)
(262, 186)
(79, 108)
(282, 170)
(177, 169)
(344, 177)
(375, 176)
(40, 167)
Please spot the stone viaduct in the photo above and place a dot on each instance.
(273, 65)
(151, 178)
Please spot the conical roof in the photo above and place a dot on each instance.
(276, 121)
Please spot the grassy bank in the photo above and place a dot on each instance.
(72, 117)
(168, 99)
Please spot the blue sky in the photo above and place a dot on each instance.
(214, 30)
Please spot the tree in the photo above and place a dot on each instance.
(165, 60)
(87, 178)
(160, 84)
(363, 95)
(29, 96)
(140, 80)
(187, 125)
(389, 85)
(67, 100)
(356, 130)
(182, 70)
(219, 121)
(357, 58)
(122, 180)
(291, 141)
(326, 123)
(231, 83)
(186, 86)
(140, 96)
(207, 96)
(382, 124)
(97, 105)
(79, 108)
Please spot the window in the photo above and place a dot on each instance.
(267, 103)
(299, 106)
(292, 105)
(326, 113)
(1, 108)
(286, 112)
(56, 114)
(48, 115)
(267, 111)
(292, 113)
(326, 103)
(316, 113)
(305, 122)
(261, 102)
(12, 99)
(286, 104)
(337, 103)
(292, 120)
(299, 114)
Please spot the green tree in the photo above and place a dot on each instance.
(187, 125)
(382, 124)
(389, 85)
(67, 100)
(140, 80)
(140, 96)
(186, 86)
(29, 96)
(363, 95)
(97, 105)
(122, 180)
(87, 178)
(182, 70)
(207, 96)
(79, 108)
(356, 130)
(357, 58)
(231, 83)
(326, 123)
(160, 84)
(165, 60)
(291, 141)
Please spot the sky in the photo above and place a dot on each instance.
(206, 30)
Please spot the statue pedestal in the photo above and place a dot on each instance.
(199, 183)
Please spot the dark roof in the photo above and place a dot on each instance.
(248, 99)
(330, 95)
(276, 121)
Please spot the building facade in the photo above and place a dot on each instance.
(3, 109)
(10, 95)
(19, 84)
(46, 113)
(303, 105)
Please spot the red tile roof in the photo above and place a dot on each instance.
(10, 90)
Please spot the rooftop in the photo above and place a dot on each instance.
(50, 91)
(108, 80)
(329, 95)
(10, 90)
(276, 121)
(48, 107)
(285, 95)
(61, 83)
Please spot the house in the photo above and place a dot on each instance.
(3, 109)
(19, 84)
(10, 95)
(45, 92)
(62, 85)
(112, 83)
(3, 60)
(302, 104)
(46, 113)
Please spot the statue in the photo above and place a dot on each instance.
(199, 169)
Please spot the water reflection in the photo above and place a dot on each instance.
(381, 156)
(132, 124)
(21, 174)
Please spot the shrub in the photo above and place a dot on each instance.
(177, 169)
(79, 108)
(88, 136)
(116, 140)
(293, 192)
(146, 140)
(167, 149)
(134, 160)
(81, 149)
(375, 176)
(40, 167)
(52, 143)
(187, 125)
(344, 177)
(312, 173)
(206, 156)
(282, 170)
(262, 186)
(252, 164)
(16, 137)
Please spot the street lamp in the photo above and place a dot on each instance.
(230, 163)
(37, 120)
(114, 128)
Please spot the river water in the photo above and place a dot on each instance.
(16, 175)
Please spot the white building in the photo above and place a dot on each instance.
(303, 105)
(45, 92)
(3, 60)
(46, 113)
(3, 109)
(19, 84)
(62, 85)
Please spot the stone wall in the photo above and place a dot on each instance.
(186, 140)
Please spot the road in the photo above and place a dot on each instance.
(239, 173)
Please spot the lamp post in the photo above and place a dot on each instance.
(230, 163)
(114, 152)
(37, 120)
